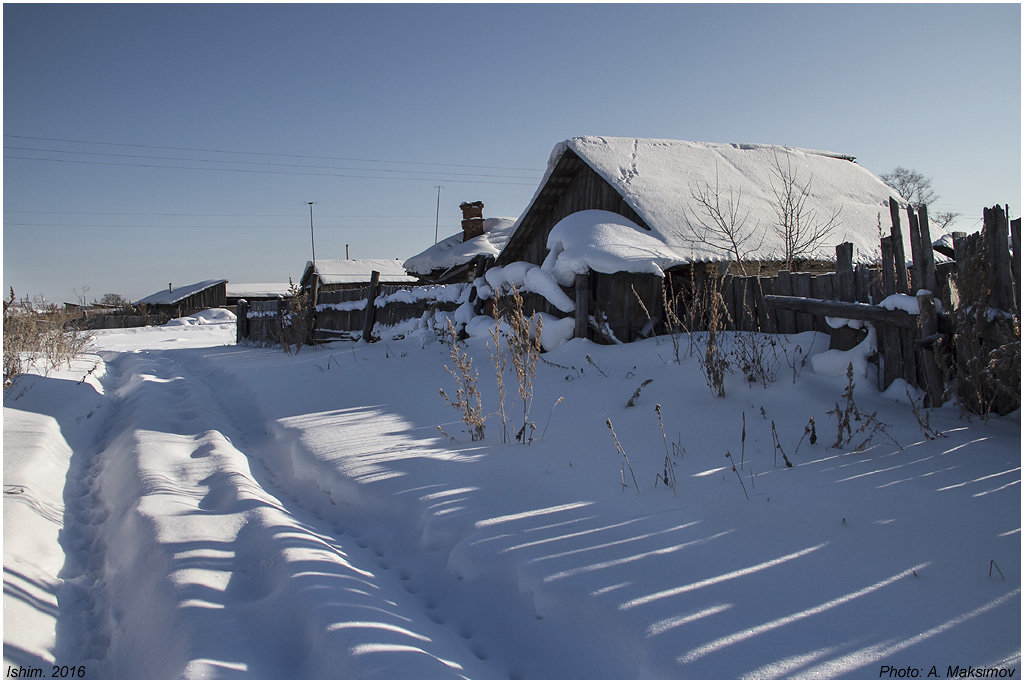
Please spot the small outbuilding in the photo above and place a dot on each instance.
(257, 291)
(188, 299)
(334, 274)
(452, 259)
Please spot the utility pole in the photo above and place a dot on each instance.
(437, 216)
(311, 241)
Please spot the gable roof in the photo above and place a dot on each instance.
(452, 251)
(656, 179)
(258, 289)
(357, 270)
(167, 296)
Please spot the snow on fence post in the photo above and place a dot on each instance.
(369, 313)
(582, 329)
(898, 251)
(241, 320)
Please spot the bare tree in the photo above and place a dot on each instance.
(800, 229)
(916, 189)
(911, 185)
(720, 222)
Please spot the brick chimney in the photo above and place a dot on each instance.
(472, 219)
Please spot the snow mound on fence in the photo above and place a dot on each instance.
(604, 242)
(211, 316)
(528, 277)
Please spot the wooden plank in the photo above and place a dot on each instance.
(370, 312)
(928, 327)
(844, 272)
(888, 268)
(843, 309)
(1015, 246)
(582, 329)
(725, 288)
(862, 284)
(892, 357)
(241, 321)
(802, 287)
(764, 319)
(917, 250)
(785, 318)
(931, 282)
(898, 250)
(821, 288)
(998, 239)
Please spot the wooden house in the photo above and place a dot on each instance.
(334, 274)
(453, 258)
(188, 299)
(258, 291)
(668, 193)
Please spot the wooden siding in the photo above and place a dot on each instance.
(214, 296)
(573, 186)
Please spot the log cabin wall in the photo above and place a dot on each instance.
(573, 186)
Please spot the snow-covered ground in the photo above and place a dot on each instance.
(178, 506)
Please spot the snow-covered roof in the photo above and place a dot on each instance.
(658, 178)
(354, 271)
(452, 251)
(169, 296)
(258, 289)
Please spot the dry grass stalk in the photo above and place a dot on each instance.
(729, 456)
(40, 333)
(636, 394)
(467, 397)
(625, 460)
(500, 361)
(849, 413)
(524, 349)
(668, 475)
(714, 362)
(295, 319)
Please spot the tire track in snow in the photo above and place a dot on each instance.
(242, 583)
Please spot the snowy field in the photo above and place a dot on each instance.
(179, 506)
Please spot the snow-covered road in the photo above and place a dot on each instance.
(181, 507)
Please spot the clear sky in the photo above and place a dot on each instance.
(147, 144)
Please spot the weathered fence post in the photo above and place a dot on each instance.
(931, 281)
(928, 333)
(898, 250)
(582, 330)
(241, 321)
(370, 312)
(802, 287)
(1015, 245)
(844, 272)
(916, 252)
(998, 238)
(888, 267)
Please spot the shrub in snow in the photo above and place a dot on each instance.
(467, 395)
(35, 332)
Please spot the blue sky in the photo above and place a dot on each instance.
(364, 109)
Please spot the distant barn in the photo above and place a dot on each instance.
(259, 291)
(188, 299)
(334, 274)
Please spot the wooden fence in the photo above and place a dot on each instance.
(932, 347)
(343, 314)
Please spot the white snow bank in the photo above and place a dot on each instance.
(527, 277)
(834, 363)
(604, 242)
(211, 316)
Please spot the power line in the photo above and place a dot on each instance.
(203, 215)
(270, 154)
(263, 172)
(212, 227)
(253, 163)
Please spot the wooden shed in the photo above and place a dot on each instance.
(655, 185)
(451, 259)
(334, 274)
(188, 299)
